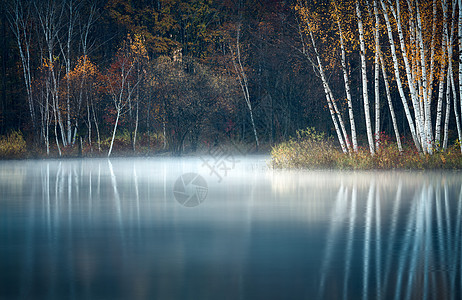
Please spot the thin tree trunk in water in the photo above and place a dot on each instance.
(114, 133)
(376, 77)
(364, 80)
(399, 83)
(348, 90)
(390, 105)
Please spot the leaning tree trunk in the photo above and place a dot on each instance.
(410, 78)
(244, 85)
(114, 133)
(328, 94)
(348, 90)
(390, 105)
(399, 83)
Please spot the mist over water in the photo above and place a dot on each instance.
(119, 229)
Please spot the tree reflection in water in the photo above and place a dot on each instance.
(112, 229)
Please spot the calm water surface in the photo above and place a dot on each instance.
(116, 229)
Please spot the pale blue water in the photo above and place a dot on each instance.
(100, 229)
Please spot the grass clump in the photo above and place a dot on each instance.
(12, 145)
(312, 150)
(309, 149)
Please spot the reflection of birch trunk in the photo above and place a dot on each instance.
(367, 238)
(244, 83)
(349, 247)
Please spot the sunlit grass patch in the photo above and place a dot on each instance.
(12, 145)
(312, 150)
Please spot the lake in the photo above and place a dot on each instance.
(225, 228)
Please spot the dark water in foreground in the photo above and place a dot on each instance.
(100, 229)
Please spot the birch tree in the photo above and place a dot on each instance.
(243, 82)
(121, 83)
(364, 80)
(19, 18)
(317, 64)
(346, 80)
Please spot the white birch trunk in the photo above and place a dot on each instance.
(364, 80)
(427, 109)
(136, 125)
(390, 104)
(432, 51)
(399, 83)
(448, 111)
(114, 133)
(454, 97)
(439, 108)
(410, 78)
(347, 89)
(244, 85)
(376, 77)
(327, 92)
(460, 64)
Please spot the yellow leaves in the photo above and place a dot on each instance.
(83, 69)
(138, 46)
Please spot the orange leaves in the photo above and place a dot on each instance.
(137, 47)
(83, 69)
